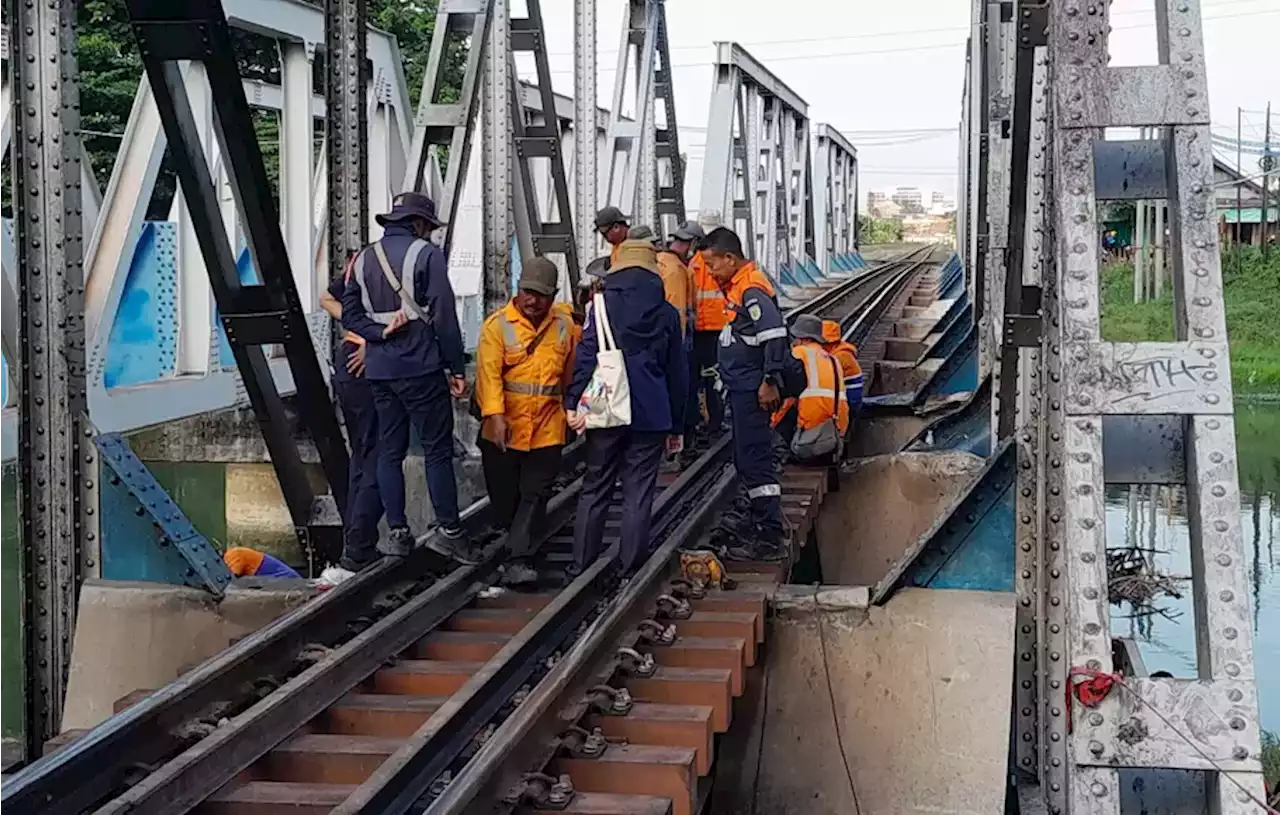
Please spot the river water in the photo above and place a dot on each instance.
(1148, 519)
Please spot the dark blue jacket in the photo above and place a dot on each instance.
(420, 347)
(647, 329)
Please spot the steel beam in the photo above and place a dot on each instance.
(255, 316)
(346, 129)
(297, 122)
(57, 463)
(585, 122)
(835, 190)
(497, 123)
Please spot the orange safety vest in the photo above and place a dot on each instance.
(845, 353)
(709, 313)
(823, 398)
(677, 284)
(748, 277)
(528, 389)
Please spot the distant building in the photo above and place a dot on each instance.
(875, 200)
(911, 199)
(1246, 209)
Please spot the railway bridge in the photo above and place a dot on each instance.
(940, 638)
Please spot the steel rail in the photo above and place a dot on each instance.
(828, 298)
(528, 739)
(403, 779)
(98, 766)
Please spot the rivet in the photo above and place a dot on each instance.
(1235, 695)
(1227, 596)
(1237, 723)
(1229, 633)
(1098, 789)
(1224, 560)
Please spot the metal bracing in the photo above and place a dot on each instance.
(1207, 723)
(646, 174)
(752, 153)
(254, 316)
(835, 190)
(346, 129)
(448, 124)
(548, 233)
(496, 163)
(585, 121)
(57, 463)
(1000, 143)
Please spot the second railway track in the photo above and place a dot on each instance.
(396, 692)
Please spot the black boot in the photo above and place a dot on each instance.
(398, 544)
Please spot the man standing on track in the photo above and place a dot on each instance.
(709, 318)
(355, 395)
(612, 226)
(646, 329)
(400, 301)
(524, 361)
(753, 359)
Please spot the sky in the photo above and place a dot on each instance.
(870, 67)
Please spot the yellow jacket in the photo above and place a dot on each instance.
(528, 389)
(677, 283)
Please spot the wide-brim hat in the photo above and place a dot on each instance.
(635, 253)
(609, 216)
(807, 327)
(409, 205)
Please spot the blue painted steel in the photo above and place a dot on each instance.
(959, 373)
(4, 380)
(787, 276)
(811, 269)
(146, 536)
(965, 429)
(142, 345)
(974, 547)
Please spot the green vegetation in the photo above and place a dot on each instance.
(110, 70)
(879, 230)
(1252, 287)
(1271, 760)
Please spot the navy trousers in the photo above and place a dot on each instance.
(425, 402)
(364, 502)
(635, 456)
(519, 483)
(753, 459)
(706, 355)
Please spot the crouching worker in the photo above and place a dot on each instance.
(846, 353)
(753, 358)
(524, 361)
(813, 424)
(246, 562)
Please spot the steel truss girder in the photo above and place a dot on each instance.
(448, 124)
(835, 186)
(259, 315)
(1209, 723)
(754, 174)
(646, 171)
(57, 462)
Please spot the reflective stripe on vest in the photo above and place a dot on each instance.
(705, 294)
(406, 282)
(764, 491)
(510, 340)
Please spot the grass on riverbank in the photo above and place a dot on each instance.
(1253, 315)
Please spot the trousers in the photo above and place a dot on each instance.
(635, 456)
(519, 484)
(753, 459)
(364, 501)
(706, 355)
(424, 402)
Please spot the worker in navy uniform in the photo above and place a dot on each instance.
(400, 301)
(355, 396)
(753, 358)
(647, 330)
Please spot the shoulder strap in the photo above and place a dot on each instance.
(604, 332)
(405, 289)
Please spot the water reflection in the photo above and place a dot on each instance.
(1151, 524)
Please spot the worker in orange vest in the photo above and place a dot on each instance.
(813, 424)
(710, 318)
(846, 353)
(754, 357)
(524, 361)
(683, 243)
(613, 227)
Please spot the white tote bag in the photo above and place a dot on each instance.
(607, 399)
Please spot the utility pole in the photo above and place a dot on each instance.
(1239, 180)
(1267, 163)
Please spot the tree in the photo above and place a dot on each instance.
(110, 70)
(878, 230)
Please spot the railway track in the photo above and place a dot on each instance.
(373, 696)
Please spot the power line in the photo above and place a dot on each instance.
(907, 49)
